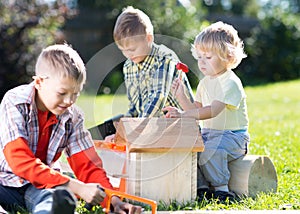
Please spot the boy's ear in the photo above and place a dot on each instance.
(150, 38)
(37, 82)
(230, 59)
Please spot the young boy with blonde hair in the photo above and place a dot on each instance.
(220, 102)
(38, 122)
(149, 69)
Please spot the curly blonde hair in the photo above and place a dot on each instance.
(223, 40)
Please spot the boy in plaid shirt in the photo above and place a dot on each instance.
(38, 123)
(149, 69)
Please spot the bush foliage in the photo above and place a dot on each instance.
(273, 46)
(25, 28)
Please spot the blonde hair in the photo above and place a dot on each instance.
(132, 22)
(63, 60)
(223, 40)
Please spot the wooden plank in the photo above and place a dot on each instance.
(159, 135)
(163, 176)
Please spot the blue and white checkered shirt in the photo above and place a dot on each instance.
(148, 83)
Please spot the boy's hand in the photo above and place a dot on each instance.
(91, 193)
(172, 112)
(110, 138)
(177, 88)
(124, 208)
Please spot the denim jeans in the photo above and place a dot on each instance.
(221, 147)
(37, 201)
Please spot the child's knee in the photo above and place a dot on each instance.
(215, 155)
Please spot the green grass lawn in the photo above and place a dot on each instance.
(97, 109)
(274, 113)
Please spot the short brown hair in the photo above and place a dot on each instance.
(132, 22)
(64, 59)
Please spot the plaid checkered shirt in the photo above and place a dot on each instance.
(148, 83)
(19, 118)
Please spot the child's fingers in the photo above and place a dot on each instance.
(174, 85)
(167, 115)
(109, 138)
(167, 108)
(166, 111)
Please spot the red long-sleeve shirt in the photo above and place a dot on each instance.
(20, 141)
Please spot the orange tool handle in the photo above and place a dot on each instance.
(111, 193)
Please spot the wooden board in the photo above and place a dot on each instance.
(159, 135)
(164, 177)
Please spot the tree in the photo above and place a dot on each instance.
(233, 7)
(273, 45)
(274, 49)
(25, 28)
(169, 18)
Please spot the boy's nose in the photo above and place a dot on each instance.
(201, 61)
(126, 53)
(129, 55)
(69, 100)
